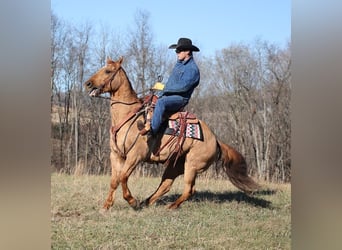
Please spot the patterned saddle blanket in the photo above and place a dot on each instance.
(192, 128)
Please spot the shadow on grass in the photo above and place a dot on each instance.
(223, 197)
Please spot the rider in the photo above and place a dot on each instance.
(177, 91)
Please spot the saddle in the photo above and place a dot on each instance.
(181, 125)
(178, 122)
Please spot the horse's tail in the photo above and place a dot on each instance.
(236, 168)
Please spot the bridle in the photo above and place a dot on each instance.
(110, 80)
(106, 82)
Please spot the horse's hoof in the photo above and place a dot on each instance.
(143, 204)
(103, 211)
(173, 206)
(136, 205)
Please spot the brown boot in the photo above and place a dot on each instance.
(143, 128)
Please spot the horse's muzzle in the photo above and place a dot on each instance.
(88, 84)
(92, 90)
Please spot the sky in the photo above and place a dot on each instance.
(211, 25)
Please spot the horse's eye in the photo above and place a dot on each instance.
(108, 71)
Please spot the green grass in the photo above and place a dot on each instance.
(218, 216)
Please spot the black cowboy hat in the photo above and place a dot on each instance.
(184, 44)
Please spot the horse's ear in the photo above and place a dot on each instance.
(121, 59)
(109, 60)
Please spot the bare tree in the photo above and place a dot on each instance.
(59, 88)
(82, 36)
(146, 61)
(69, 52)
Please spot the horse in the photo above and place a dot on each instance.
(129, 148)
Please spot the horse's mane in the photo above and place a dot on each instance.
(129, 81)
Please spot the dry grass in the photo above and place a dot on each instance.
(217, 217)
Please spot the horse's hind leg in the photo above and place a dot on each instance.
(196, 161)
(170, 174)
(189, 183)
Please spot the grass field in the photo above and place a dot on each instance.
(218, 216)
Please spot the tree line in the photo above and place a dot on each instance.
(244, 96)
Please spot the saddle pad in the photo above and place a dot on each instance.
(193, 130)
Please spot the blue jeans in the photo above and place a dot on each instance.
(171, 103)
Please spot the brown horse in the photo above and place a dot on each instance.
(128, 147)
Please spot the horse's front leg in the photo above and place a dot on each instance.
(116, 163)
(126, 172)
(114, 182)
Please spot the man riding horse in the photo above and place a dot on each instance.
(129, 147)
(177, 92)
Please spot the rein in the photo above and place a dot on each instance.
(124, 103)
(133, 114)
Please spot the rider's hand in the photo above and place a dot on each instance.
(158, 86)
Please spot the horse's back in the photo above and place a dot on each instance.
(208, 145)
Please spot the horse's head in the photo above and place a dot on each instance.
(103, 80)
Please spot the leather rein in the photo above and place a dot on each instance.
(134, 114)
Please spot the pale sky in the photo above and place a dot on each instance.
(212, 25)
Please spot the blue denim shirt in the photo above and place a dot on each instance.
(183, 80)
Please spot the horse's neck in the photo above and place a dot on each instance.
(124, 100)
